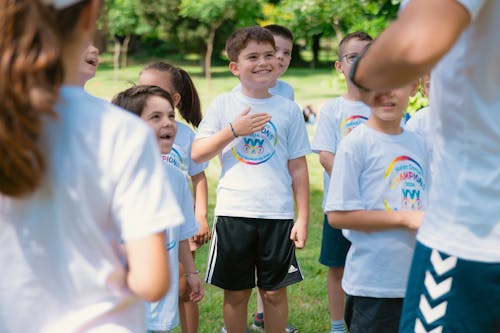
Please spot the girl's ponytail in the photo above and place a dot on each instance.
(189, 106)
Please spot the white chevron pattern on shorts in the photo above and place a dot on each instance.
(442, 266)
(431, 314)
(419, 328)
(437, 289)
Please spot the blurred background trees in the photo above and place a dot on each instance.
(199, 28)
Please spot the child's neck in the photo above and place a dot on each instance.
(256, 93)
(352, 94)
(392, 127)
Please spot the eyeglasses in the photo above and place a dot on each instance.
(350, 57)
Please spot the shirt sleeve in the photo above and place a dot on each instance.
(344, 190)
(298, 140)
(324, 138)
(190, 227)
(473, 6)
(143, 201)
(210, 123)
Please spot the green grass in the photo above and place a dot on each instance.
(308, 304)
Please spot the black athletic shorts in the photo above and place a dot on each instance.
(245, 249)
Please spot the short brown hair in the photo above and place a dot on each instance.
(279, 30)
(134, 99)
(241, 37)
(361, 35)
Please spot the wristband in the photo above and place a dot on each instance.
(196, 272)
(352, 73)
(232, 130)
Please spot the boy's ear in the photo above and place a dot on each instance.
(414, 88)
(233, 67)
(338, 66)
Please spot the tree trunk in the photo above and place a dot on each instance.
(210, 49)
(338, 31)
(116, 58)
(316, 45)
(126, 41)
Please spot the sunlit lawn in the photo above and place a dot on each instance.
(307, 300)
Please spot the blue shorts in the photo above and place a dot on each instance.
(372, 315)
(334, 246)
(449, 294)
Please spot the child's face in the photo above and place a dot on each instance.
(89, 63)
(389, 106)
(351, 50)
(256, 67)
(160, 116)
(160, 79)
(283, 53)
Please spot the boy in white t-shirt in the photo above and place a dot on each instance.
(376, 194)
(283, 39)
(155, 106)
(454, 284)
(262, 142)
(338, 118)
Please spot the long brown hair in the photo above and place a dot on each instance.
(189, 106)
(31, 73)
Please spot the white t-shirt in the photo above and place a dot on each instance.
(339, 116)
(163, 315)
(420, 122)
(463, 217)
(64, 269)
(377, 171)
(180, 156)
(281, 88)
(255, 181)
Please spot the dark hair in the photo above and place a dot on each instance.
(279, 30)
(31, 73)
(134, 99)
(241, 37)
(189, 105)
(361, 35)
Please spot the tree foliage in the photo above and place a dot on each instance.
(213, 14)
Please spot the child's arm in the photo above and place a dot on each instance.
(200, 189)
(192, 275)
(300, 183)
(148, 274)
(244, 124)
(375, 220)
(326, 159)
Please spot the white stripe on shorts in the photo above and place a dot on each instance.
(212, 258)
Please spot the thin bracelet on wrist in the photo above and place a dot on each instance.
(232, 130)
(195, 272)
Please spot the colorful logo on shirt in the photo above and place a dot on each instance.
(350, 123)
(406, 176)
(174, 158)
(257, 147)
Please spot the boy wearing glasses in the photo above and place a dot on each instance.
(338, 118)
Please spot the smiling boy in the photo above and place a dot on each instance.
(262, 142)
